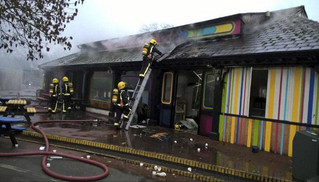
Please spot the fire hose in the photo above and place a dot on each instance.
(46, 152)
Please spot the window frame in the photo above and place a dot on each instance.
(205, 90)
(251, 104)
(171, 74)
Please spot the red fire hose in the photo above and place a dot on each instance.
(46, 152)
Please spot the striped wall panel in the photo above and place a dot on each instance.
(292, 95)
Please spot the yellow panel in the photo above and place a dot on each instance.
(249, 133)
(295, 108)
(232, 134)
(224, 28)
(271, 96)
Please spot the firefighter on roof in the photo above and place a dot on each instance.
(148, 54)
(54, 97)
(121, 100)
(67, 91)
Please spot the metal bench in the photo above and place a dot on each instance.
(7, 130)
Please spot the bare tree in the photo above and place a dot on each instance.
(153, 27)
(35, 24)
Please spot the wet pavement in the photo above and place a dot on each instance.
(28, 168)
(172, 142)
(179, 143)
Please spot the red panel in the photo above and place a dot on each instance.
(205, 125)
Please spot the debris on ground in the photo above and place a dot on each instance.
(159, 135)
(155, 173)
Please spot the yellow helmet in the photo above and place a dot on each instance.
(121, 85)
(153, 41)
(65, 79)
(176, 127)
(55, 80)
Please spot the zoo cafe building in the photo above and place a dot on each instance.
(249, 79)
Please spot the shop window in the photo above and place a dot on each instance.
(258, 93)
(167, 88)
(100, 90)
(209, 86)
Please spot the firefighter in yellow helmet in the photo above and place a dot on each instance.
(54, 95)
(67, 92)
(122, 104)
(148, 54)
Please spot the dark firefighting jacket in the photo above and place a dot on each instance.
(150, 52)
(54, 90)
(67, 89)
(124, 98)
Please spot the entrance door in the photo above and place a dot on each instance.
(167, 100)
(188, 96)
(206, 109)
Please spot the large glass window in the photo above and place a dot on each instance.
(100, 89)
(209, 86)
(167, 88)
(258, 93)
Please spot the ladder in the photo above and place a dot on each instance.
(138, 91)
(136, 96)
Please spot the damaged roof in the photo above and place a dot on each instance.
(280, 34)
(277, 32)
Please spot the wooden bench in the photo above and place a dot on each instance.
(7, 130)
(4, 100)
(31, 110)
(3, 109)
(18, 107)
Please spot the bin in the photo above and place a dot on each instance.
(305, 157)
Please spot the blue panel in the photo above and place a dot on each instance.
(209, 31)
(182, 34)
(10, 120)
(165, 117)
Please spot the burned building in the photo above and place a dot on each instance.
(249, 79)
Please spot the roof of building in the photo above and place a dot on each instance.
(280, 34)
(277, 32)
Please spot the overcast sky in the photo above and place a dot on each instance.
(104, 19)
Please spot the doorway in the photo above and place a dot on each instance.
(188, 94)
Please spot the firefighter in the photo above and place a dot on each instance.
(122, 104)
(67, 92)
(148, 54)
(54, 97)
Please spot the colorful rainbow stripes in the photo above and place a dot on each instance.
(292, 95)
